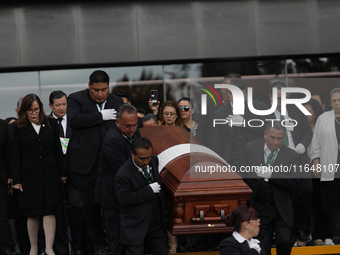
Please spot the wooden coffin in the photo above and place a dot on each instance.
(198, 203)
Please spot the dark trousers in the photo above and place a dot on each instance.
(76, 220)
(60, 245)
(112, 223)
(5, 236)
(271, 224)
(92, 211)
(323, 221)
(155, 239)
(303, 208)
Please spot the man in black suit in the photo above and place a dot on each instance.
(142, 204)
(229, 139)
(91, 113)
(116, 151)
(271, 195)
(297, 138)
(58, 105)
(5, 183)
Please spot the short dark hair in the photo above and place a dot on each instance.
(239, 215)
(231, 76)
(240, 83)
(275, 124)
(141, 143)
(140, 110)
(150, 116)
(125, 108)
(57, 94)
(99, 76)
(122, 93)
(184, 99)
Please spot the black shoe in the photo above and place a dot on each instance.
(9, 252)
(77, 251)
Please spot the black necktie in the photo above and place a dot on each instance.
(61, 130)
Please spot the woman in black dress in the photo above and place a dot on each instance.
(246, 225)
(38, 167)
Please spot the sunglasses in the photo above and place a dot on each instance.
(186, 108)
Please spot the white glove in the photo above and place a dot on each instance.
(109, 114)
(255, 244)
(300, 149)
(264, 172)
(156, 188)
(236, 121)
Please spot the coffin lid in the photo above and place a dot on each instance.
(179, 173)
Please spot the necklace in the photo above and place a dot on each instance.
(337, 120)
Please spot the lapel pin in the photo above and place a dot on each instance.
(43, 125)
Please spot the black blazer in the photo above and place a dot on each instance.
(302, 131)
(5, 153)
(68, 128)
(116, 151)
(38, 164)
(223, 135)
(282, 183)
(89, 130)
(230, 246)
(136, 197)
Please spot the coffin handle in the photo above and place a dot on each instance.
(201, 215)
(222, 215)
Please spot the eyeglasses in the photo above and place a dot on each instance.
(31, 111)
(256, 220)
(186, 108)
(172, 114)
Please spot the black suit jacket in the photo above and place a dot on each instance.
(302, 131)
(89, 130)
(136, 197)
(230, 246)
(116, 151)
(223, 134)
(38, 164)
(5, 153)
(282, 183)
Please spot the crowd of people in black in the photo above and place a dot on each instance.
(72, 181)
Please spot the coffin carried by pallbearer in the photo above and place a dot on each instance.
(201, 189)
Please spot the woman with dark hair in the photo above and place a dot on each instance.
(246, 225)
(315, 109)
(169, 114)
(186, 112)
(38, 166)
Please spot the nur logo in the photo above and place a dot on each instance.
(204, 97)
